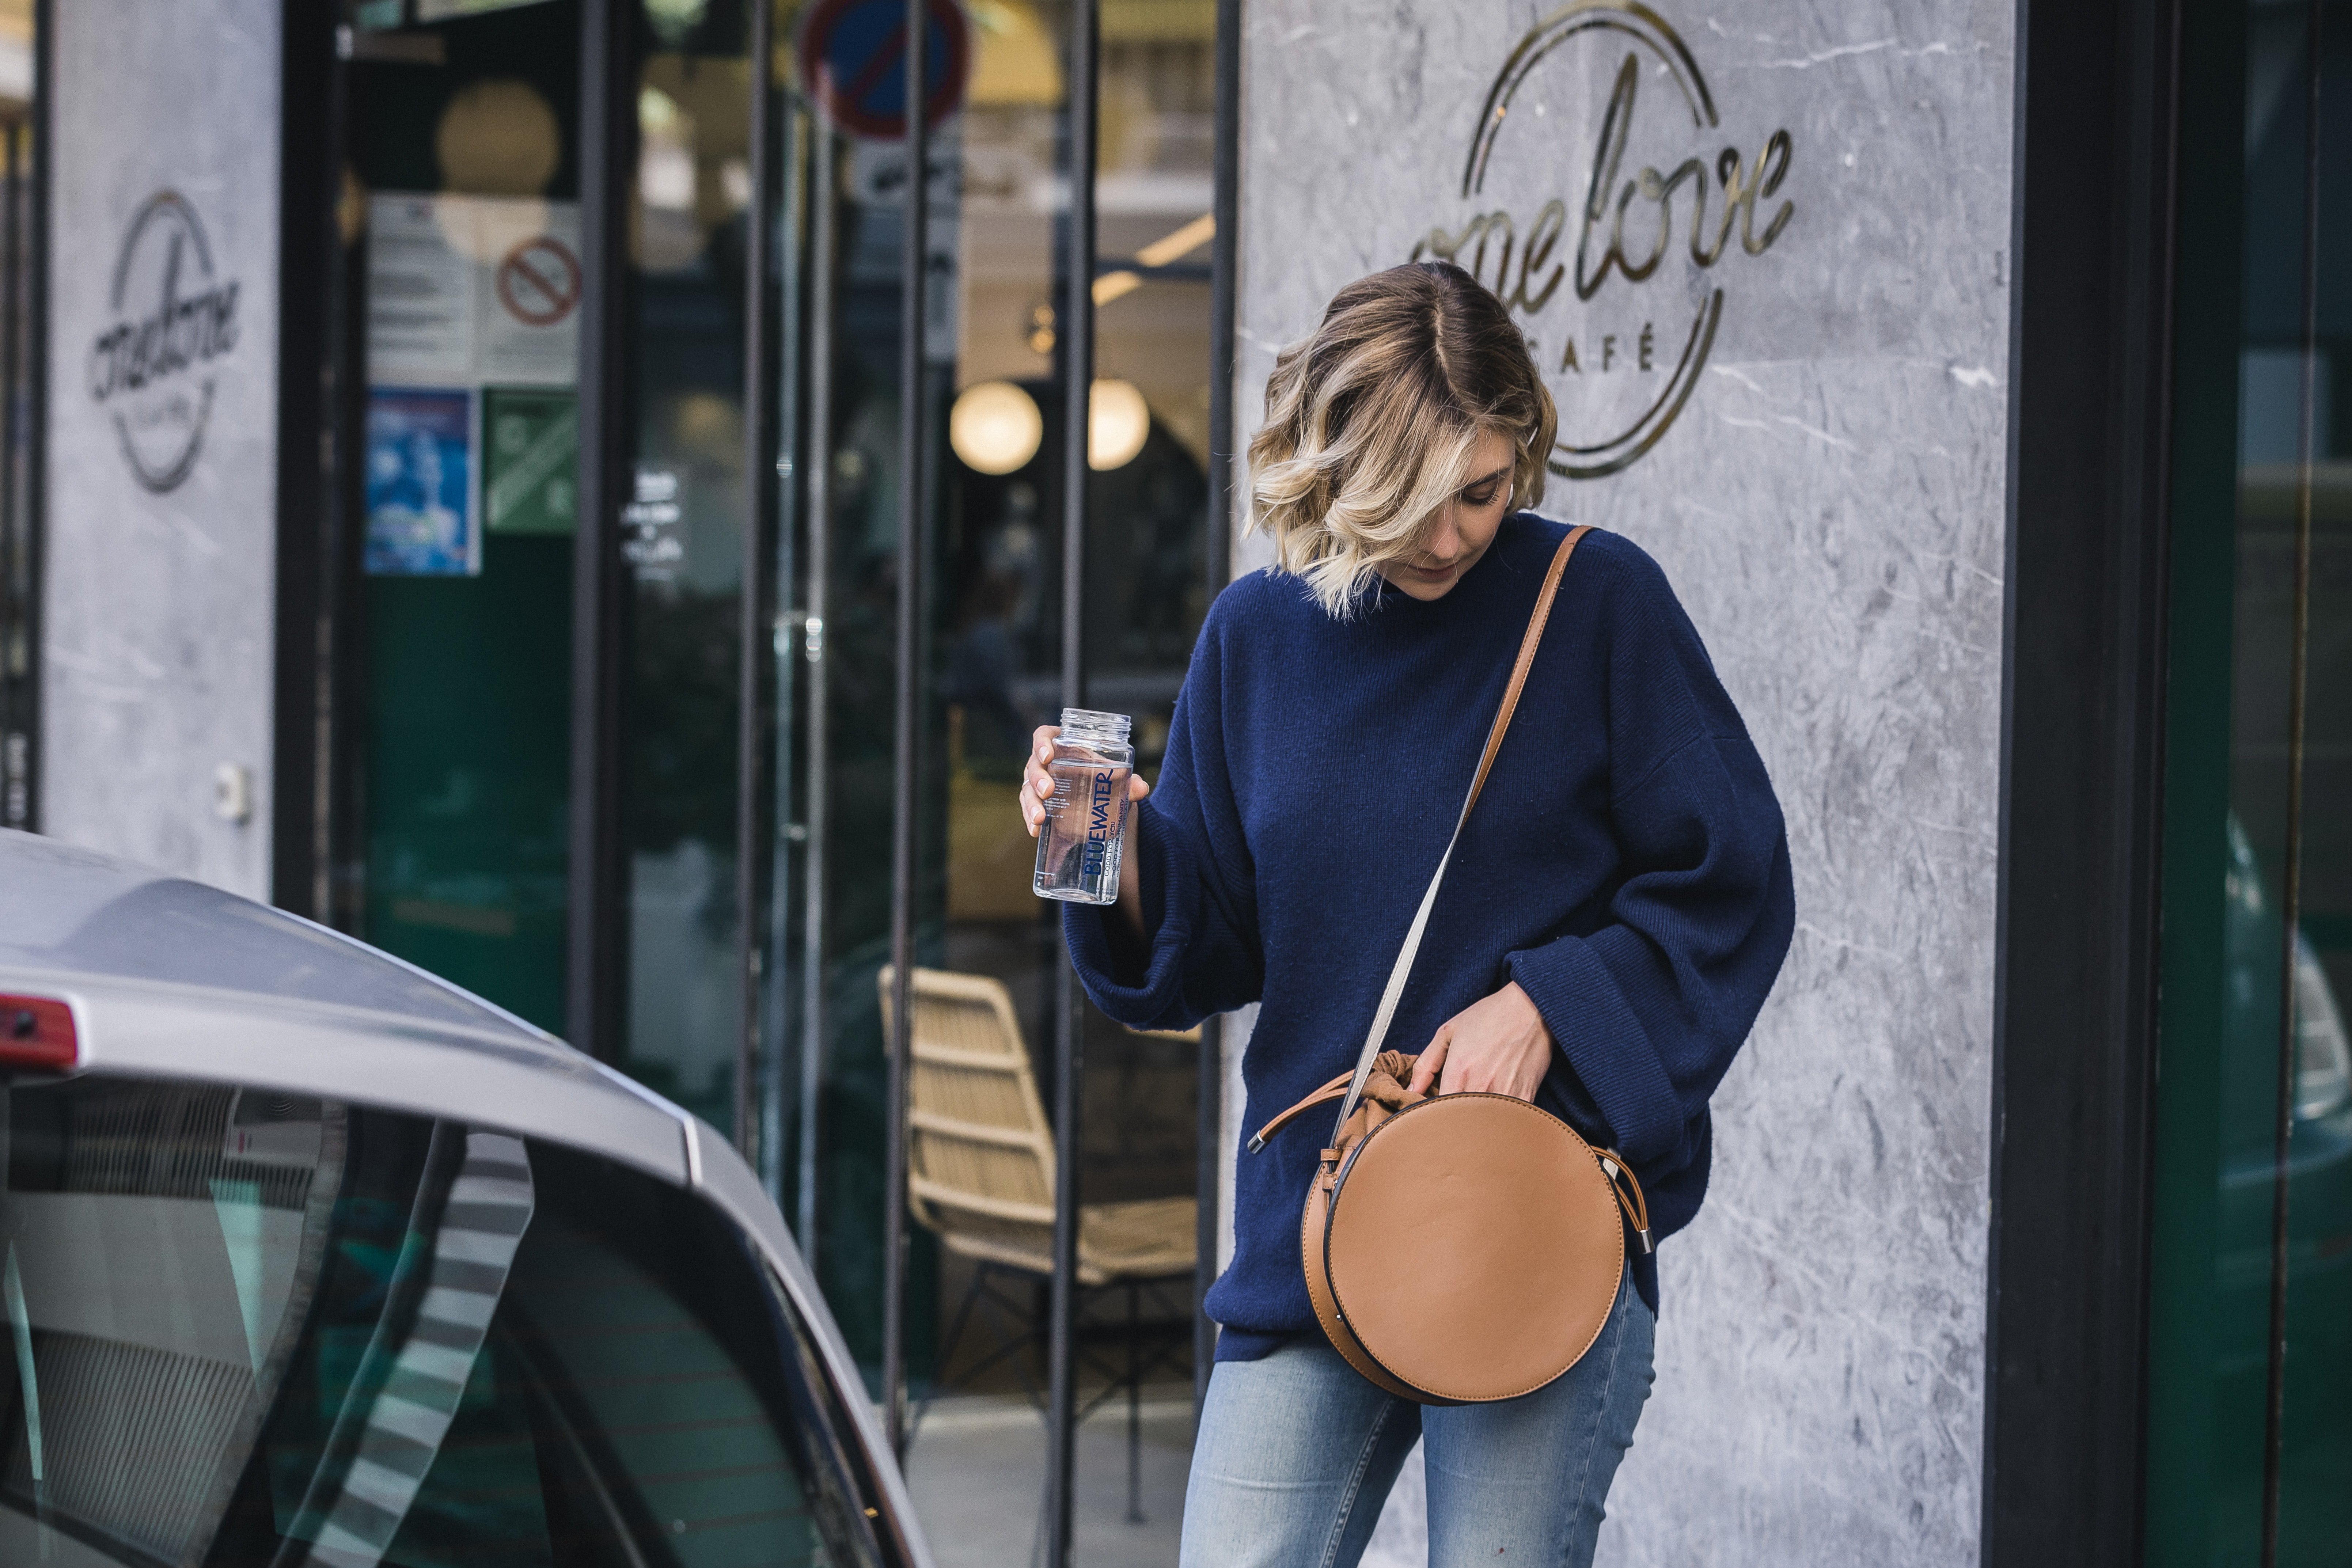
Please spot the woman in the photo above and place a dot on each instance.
(1614, 914)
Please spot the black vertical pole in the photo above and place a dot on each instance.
(1224, 253)
(16, 650)
(592, 979)
(310, 253)
(815, 805)
(754, 654)
(789, 132)
(32, 522)
(2311, 444)
(912, 259)
(1078, 335)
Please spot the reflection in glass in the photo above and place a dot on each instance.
(682, 540)
(2250, 1432)
(462, 213)
(246, 1327)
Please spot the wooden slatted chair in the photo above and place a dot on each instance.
(979, 1175)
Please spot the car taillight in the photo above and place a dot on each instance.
(37, 1032)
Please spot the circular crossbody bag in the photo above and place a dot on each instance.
(1463, 1247)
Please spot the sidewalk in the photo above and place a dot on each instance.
(977, 1470)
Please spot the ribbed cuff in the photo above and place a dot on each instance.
(1603, 1040)
(1166, 875)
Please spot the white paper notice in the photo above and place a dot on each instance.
(420, 297)
(473, 292)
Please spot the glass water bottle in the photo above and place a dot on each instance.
(1085, 820)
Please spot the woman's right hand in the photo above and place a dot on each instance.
(1036, 784)
(1037, 788)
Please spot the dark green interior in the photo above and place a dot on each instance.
(2262, 561)
(468, 679)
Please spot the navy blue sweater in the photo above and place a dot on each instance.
(1626, 865)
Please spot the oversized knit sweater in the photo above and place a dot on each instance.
(1626, 865)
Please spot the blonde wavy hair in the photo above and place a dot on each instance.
(1369, 423)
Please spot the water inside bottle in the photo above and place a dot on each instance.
(1080, 846)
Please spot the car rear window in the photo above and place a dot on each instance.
(242, 1327)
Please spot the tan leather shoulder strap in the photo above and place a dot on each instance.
(1324, 1096)
(1404, 966)
(1527, 659)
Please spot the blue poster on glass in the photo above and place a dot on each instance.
(420, 484)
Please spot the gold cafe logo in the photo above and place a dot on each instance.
(1617, 282)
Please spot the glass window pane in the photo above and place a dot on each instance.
(682, 539)
(2253, 1297)
(990, 551)
(2314, 1519)
(462, 207)
(158, 1243)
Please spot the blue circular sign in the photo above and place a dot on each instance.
(853, 57)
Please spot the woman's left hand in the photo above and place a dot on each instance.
(1499, 1046)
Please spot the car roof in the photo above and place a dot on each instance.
(78, 912)
(173, 977)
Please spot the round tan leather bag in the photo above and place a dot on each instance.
(1462, 1247)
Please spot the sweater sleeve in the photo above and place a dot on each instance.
(1649, 1009)
(1201, 954)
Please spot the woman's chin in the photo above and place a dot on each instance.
(1422, 584)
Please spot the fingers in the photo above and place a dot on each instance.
(1136, 787)
(1036, 784)
(1036, 789)
(1426, 1065)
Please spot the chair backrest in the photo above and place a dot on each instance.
(980, 1154)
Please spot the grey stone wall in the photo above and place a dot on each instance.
(1829, 503)
(162, 389)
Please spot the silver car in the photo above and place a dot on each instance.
(306, 1256)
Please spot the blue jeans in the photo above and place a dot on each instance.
(1297, 1453)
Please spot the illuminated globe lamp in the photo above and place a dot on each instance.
(995, 427)
(1116, 422)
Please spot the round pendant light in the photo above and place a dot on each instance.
(995, 427)
(1116, 422)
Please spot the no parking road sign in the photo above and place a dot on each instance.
(853, 56)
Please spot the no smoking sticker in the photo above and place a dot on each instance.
(538, 281)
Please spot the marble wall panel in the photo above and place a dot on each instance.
(158, 649)
(1829, 503)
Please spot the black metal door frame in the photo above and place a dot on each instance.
(596, 984)
(23, 363)
(2089, 479)
(316, 424)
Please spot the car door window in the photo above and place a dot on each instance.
(153, 1242)
(244, 1328)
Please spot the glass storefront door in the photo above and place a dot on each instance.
(683, 525)
(461, 210)
(2251, 1385)
(463, 214)
(991, 553)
